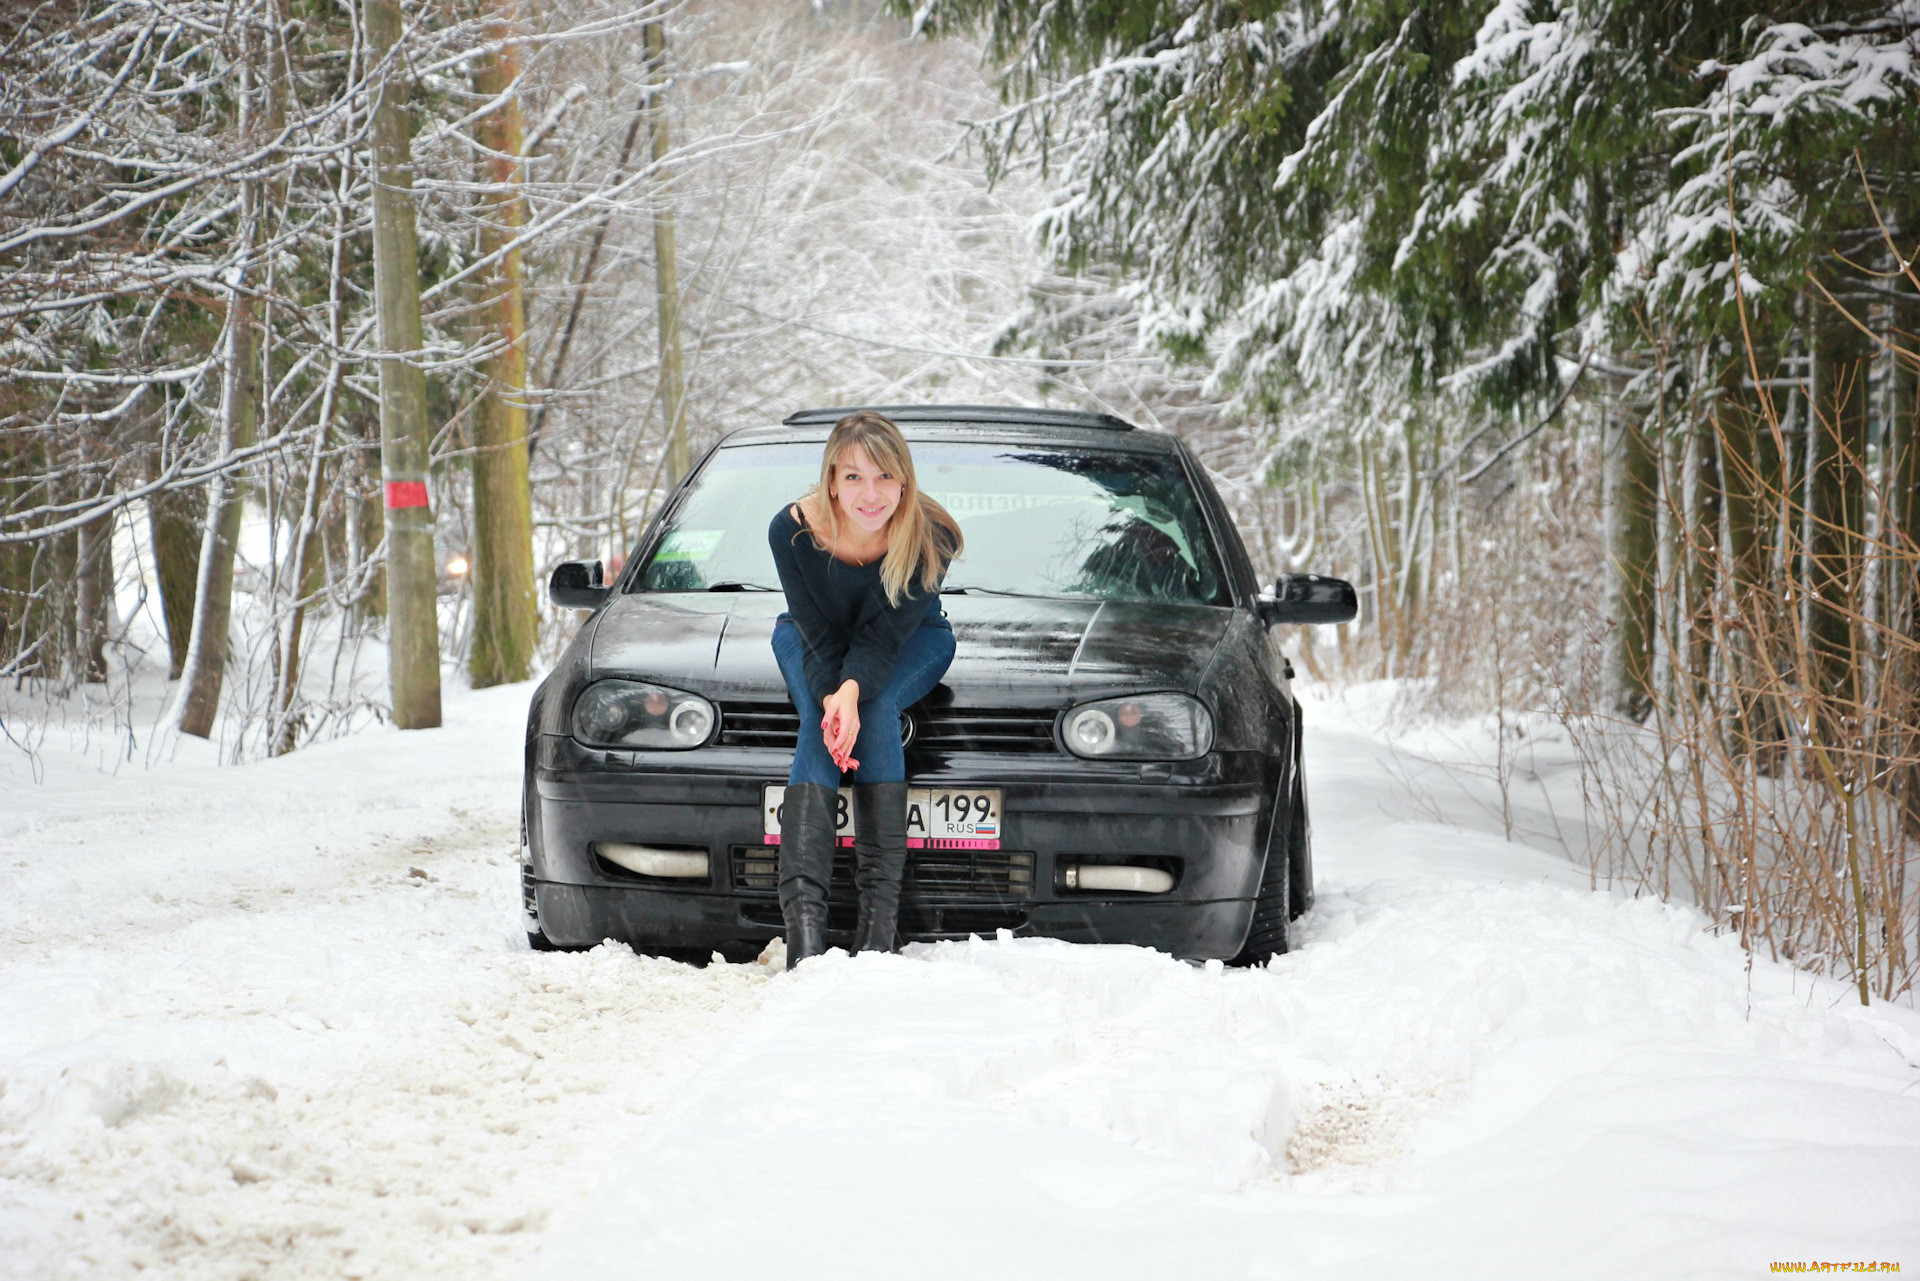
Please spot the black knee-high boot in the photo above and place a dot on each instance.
(879, 861)
(806, 867)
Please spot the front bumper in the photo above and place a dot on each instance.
(1205, 820)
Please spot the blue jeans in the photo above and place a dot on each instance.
(923, 661)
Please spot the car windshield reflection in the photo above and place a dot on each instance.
(1097, 524)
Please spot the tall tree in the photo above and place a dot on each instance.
(1836, 509)
(412, 619)
(1374, 201)
(1902, 679)
(203, 672)
(1750, 469)
(666, 266)
(505, 619)
(1634, 508)
(1703, 554)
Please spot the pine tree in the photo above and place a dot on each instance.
(1381, 204)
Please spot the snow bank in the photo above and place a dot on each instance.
(1472, 1066)
(277, 1021)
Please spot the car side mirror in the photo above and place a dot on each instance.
(578, 584)
(1310, 598)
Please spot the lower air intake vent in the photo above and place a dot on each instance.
(931, 874)
(934, 729)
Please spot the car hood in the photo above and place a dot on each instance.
(1010, 651)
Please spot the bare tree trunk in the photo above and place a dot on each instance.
(312, 577)
(309, 576)
(1636, 552)
(1903, 565)
(364, 521)
(310, 559)
(1390, 619)
(412, 623)
(173, 523)
(1836, 506)
(203, 671)
(666, 268)
(60, 570)
(1703, 557)
(31, 598)
(93, 594)
(505, 620)
(16, 588)
(1750, 471)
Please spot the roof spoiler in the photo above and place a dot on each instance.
(1012, 415)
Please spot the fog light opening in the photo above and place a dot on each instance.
(1127, 880)
(645, 860)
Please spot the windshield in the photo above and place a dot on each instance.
(1104, 525)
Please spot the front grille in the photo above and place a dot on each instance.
(981, 729)
(758, 868)
(969, 873)
(931, 874)
(759, 725)
(939, 729)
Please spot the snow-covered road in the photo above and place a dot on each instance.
(278, 1021)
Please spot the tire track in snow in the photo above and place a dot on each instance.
(367, 1079)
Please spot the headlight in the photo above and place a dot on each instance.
(635, 714)
(1152, 727)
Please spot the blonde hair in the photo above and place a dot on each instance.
(921, 534)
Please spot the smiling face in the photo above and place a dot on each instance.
(865, 494)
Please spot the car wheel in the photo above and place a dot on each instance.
(529, 905)
(1300, 857)
(536, 937)
(1267, 936)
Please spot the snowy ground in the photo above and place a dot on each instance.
(277, 1021)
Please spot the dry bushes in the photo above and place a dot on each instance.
(1777, 776)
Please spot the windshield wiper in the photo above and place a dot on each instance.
(735, 585)
(983, 591)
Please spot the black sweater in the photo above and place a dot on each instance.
(848, 631)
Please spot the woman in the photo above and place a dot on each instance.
(861, 558)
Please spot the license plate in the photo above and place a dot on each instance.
(938, 818)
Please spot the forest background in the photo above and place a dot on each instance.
(1581, 336)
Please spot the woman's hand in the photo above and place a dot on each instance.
(840, 724)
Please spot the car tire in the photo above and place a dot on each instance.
(1300, 857)
(536, 937)
(529, 905)
(1267, 935)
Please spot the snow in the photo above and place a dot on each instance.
(278, 1020)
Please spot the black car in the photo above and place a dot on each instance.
(1113, 757)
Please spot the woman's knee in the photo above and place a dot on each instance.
(936, 638)
(884, 710)
(934, 648)
(918, 673)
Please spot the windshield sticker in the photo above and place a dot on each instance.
(689, 544)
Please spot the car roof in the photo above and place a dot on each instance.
(998, 423)
(1021, 415)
